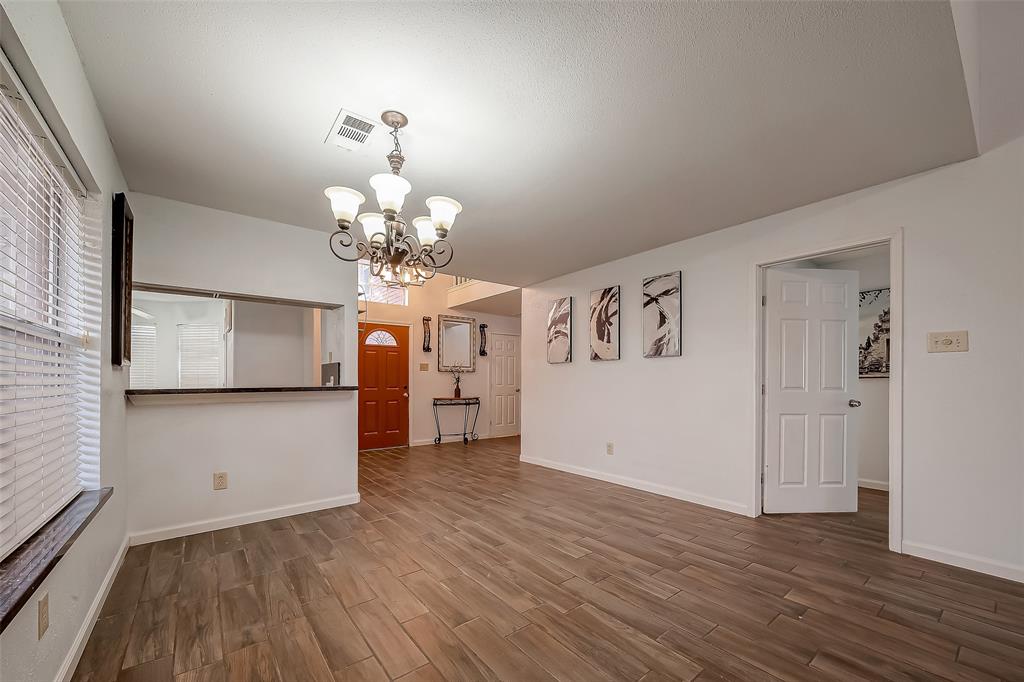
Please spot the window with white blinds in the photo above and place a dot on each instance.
(376, 291)
(42, 319)
(200, 356)
(142, 372)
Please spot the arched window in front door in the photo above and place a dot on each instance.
(380, 337)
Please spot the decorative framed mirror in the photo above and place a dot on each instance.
(455, 337)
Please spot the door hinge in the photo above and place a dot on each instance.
(762, 478)
(764, 301)
(762, 389)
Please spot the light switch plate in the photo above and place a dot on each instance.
(220, 480)
(424, 366)
(947, 342)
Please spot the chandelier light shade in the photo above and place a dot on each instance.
(425, 230)
(442, 212)
(399, 257)
(345, 202)
(373, 226)
(391, 191)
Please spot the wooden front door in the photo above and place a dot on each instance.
(383, 386)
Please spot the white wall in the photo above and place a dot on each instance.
(281, 457)
(873, 268)
(988, 34)
(270, 344)
(873, 433)
(41, 50)
(184, 245)
(686, 426)
(431, 300)
(873, 392)
(335, 344)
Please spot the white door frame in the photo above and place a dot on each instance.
(519, 382)
(895, 244)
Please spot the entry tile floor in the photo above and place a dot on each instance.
(461, 563)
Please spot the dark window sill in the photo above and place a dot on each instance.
(26, 568)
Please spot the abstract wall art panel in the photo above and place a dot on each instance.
(604, 324)
(663, 315)
(874, 333)
(560, 331)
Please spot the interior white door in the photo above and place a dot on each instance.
(504, 353)
(810, 390)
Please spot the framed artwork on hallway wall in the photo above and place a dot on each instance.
(662, 315)
(559, 342)
(874, 333)
(604, 324)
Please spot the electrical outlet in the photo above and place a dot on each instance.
(424, 366)
(220, 480)
(947, 342)
(609, 448)
(44, 614)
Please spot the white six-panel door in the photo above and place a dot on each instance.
(504, 353)
(810, 381)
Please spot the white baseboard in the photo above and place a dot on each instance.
(67, 668)
(971, 562)
(156, 534)
(656, 488)
(874, 485)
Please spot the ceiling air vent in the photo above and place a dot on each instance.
(350, 130)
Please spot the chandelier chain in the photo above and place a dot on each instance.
(394, 135)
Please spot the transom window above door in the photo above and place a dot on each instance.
(380, 338)
(375, 291)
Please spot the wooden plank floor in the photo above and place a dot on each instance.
(464, 564)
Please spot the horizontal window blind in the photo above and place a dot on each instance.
(41, 333)
(142, 373)
(91, 364)
(200, 356)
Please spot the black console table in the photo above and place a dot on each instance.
(467, 432)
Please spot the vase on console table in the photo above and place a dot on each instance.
(457, 378)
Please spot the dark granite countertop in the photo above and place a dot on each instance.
(240, 394)
(254, 389)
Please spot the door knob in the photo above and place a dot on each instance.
(405, 395)
(855, 403)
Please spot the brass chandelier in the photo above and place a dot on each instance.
(398, 257)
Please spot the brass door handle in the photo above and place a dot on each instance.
(405, 395)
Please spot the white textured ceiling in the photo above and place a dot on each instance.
(572, 133)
